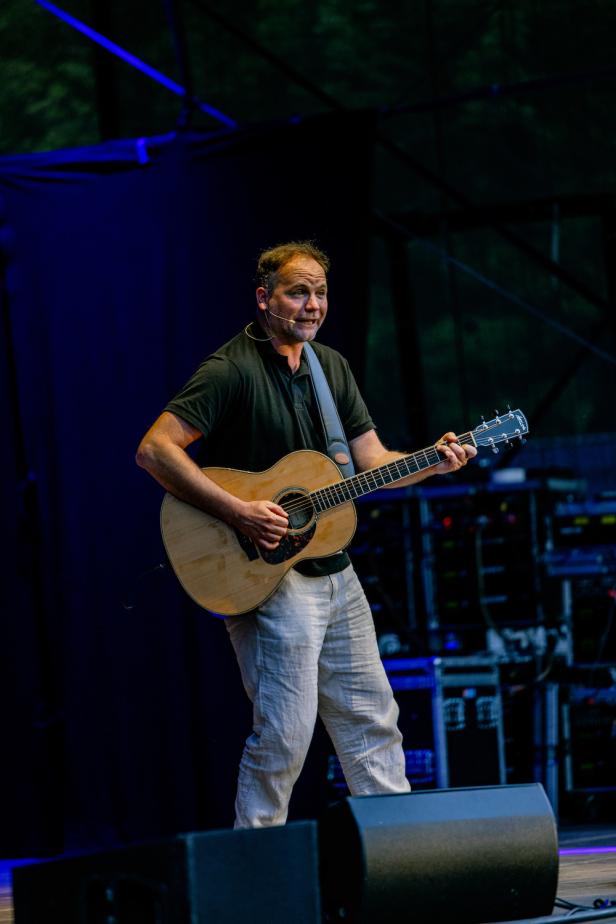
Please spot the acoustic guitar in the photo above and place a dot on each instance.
(227, 573)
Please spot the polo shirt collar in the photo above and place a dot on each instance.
(272, 355)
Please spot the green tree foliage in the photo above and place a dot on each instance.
(539, 142)
(47, 98)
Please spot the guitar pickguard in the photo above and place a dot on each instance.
(289, 546)
(302, 525)
(248, 545)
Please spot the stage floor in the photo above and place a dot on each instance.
(587, 870)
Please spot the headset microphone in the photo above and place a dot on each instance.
(290, 320)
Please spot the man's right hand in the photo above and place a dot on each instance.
(263, 521)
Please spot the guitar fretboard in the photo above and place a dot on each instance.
(371, 480)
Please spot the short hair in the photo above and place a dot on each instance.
(271, 260)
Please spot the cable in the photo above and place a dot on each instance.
(607, 630)
(128, 604)
(590, 914)
(575, 906)
(598, 904)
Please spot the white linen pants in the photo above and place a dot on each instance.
(312, 648)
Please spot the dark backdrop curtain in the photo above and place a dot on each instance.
(123, 266)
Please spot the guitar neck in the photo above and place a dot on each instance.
(374, 478)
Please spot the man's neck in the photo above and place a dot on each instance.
(293, 350)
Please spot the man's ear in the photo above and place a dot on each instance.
(261, 293)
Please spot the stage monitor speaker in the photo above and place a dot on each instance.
(214, 877)
(466, 855)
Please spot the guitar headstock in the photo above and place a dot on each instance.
(504, 428)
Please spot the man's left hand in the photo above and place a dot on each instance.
(455, 455)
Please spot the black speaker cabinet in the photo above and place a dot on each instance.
(465, 855)
(214, 877)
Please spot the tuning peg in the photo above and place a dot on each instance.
(494, 449)
(496, 417)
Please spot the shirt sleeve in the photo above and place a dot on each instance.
(208, 395)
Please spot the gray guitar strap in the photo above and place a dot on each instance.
(337, 446)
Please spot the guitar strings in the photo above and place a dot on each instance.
(362, 479)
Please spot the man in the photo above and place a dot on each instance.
(311, 647)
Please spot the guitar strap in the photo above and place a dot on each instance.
(337, 446)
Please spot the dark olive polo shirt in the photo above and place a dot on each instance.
(252, 410)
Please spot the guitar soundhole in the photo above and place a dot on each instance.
(299, 507)
(302, 525)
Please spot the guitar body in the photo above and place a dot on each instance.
(227, 573)
(224, 571)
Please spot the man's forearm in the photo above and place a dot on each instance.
(173, 468)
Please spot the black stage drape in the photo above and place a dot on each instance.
(123, 266)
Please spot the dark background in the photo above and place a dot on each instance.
(456, 159)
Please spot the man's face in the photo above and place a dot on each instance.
(299, 295)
